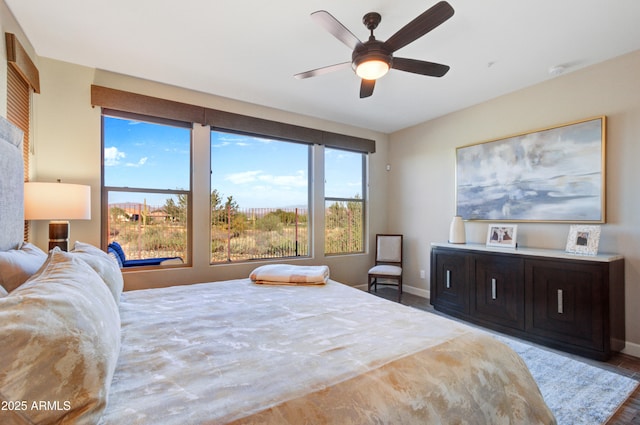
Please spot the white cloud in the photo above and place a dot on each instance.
(140, 163)
(243, 177)
(223, 140)
(296, 180)
(112, 156)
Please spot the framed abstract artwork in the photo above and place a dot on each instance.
(552, 175)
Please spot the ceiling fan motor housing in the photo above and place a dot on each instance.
(371, 50)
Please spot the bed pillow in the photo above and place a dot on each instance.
(104, 265)
(17, 265)
(60, 334)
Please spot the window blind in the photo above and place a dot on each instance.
(22, 77)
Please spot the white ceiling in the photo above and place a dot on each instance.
(250, 50)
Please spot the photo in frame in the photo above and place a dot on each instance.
(502, 235)
(552, 175)
(583, 239)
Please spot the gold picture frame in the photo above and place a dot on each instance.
(556, 174)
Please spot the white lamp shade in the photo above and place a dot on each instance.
(57, 201)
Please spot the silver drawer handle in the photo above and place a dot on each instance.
(560, 303)
(493, 289)
(448, 279)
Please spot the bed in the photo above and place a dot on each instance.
(76, 349)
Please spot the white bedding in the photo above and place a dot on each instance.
(235, 351)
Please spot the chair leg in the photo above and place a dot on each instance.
(399, 289)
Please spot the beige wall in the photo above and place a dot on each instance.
(9, 24)
(423, 166)
(67, 147)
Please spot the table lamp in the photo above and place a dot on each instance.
(59, 203)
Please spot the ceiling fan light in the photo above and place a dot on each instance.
(372, 69)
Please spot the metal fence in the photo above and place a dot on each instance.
(146, 231)
(258, 233)
(237, 234)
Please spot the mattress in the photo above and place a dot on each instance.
(236, 352)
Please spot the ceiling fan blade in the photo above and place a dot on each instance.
(420, 67)
(339, 31)
(421, 25)
(366, 88)
(323, 70)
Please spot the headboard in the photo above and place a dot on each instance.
(11, 186)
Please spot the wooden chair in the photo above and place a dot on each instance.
(388, 263)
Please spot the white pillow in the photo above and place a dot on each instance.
(17, 265)
(104, 265)
(60, 334)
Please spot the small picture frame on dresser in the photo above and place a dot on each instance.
(502, 235)
(583, 239)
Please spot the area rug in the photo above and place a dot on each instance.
(576, 392)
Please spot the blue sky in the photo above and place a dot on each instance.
(139, 154)
(257, 172)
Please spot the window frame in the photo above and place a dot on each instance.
(363, 201)
(309, 199)
(104, 189)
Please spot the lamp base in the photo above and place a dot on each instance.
(59, 235)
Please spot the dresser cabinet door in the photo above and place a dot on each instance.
(565, 302)
(498, 294)
(449, 281)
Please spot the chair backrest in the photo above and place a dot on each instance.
(117, 250)
(389, 249)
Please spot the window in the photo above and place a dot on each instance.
(147, 185)
(262, 181)
(23, 79)
(344, 174)
(259, 198)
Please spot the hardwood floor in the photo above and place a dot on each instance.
(628, 413)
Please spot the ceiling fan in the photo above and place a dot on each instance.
(373, 59)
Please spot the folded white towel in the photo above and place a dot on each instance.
(286, 274)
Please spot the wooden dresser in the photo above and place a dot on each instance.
(570, 302)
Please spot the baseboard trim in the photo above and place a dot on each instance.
(632, 349)
(424, 293)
